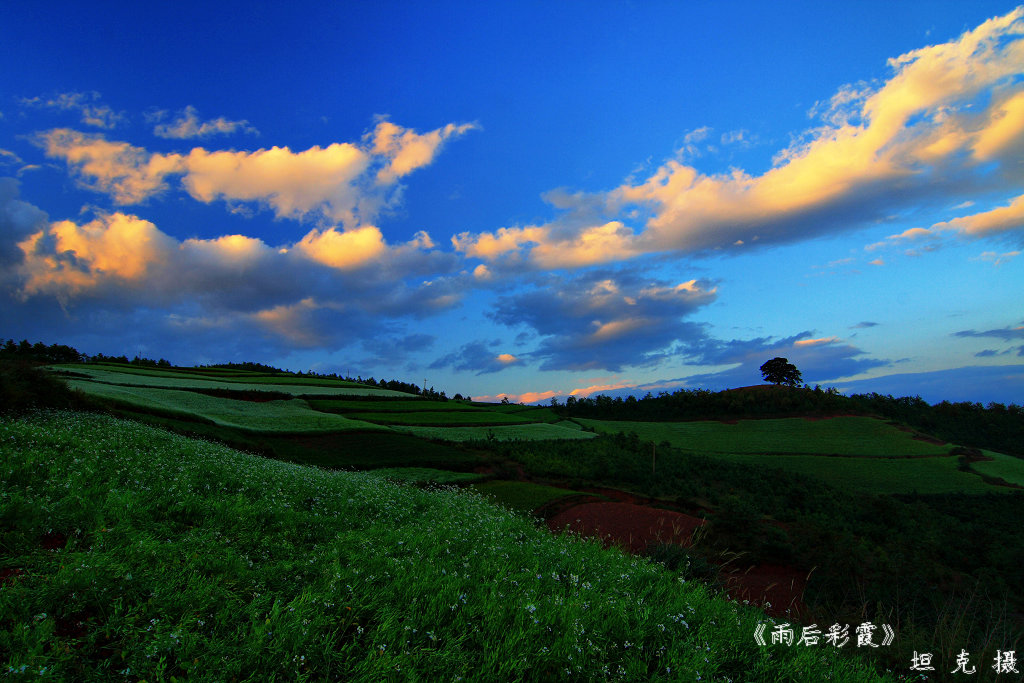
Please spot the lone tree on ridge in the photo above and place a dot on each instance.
(780, 371)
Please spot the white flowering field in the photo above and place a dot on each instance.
(131, 553)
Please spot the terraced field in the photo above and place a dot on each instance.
(851, 436)
(1005, 467)
(853, 453)
(524, 432)
(878, 475)
(271, 416)
(297, 386)
(257, 402)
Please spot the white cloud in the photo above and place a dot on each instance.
(998, 220)
(344, 182)
(405, 149)
(129, 174)
(293, 184)
(65, 258)
(995, 258)
(93, 113)
(949, 120)
(188, 125)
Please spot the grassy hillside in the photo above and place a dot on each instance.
(851, 453)
(849, 436)
(271, 403)
(131, 553)
(887, 527)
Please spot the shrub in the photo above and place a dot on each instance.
(24, 387)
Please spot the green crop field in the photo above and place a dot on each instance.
(1003, 466)
(526, 432)
(535, 413)
(421, 475)
(272, 416)
(223, 374)
(523, 496)
(858, 436)
(440, 418)
(877, 475)
(297, 386)
(388, 405)
(135, 554)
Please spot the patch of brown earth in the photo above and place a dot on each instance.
(777, 589)
(53, 540)
(9, 574)
(629, 526)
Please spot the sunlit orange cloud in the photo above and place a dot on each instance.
(324, 180)
(587, 391)
(188, 125)
(905, 236)
(525, 397)
(613, 329)
(343, 249)
(67, 258)
(816, 342)
(235, 250)
(873, 140)
(997, 220)
(291, 321)
(127, 173)
(407, 149)
(491, 245)
(611, 241)
(292, 183)
(506, 358)
(1004, 132)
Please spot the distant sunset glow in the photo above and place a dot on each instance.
(549, 202)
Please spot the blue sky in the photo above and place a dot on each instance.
(528, 199)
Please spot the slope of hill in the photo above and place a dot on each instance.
(132, 553)
(836, 509)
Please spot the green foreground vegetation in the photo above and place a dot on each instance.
(524, 496)
(131, 553)
(889, 528)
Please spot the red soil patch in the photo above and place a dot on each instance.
(74, 626)
(8, 574)
(633, 526)
(53, 540)
(627, 525)
(778, 590)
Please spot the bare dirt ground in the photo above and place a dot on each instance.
(631, 525)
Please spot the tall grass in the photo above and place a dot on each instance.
(130, 553)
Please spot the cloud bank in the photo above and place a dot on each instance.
(347, 183)
(950, 118)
